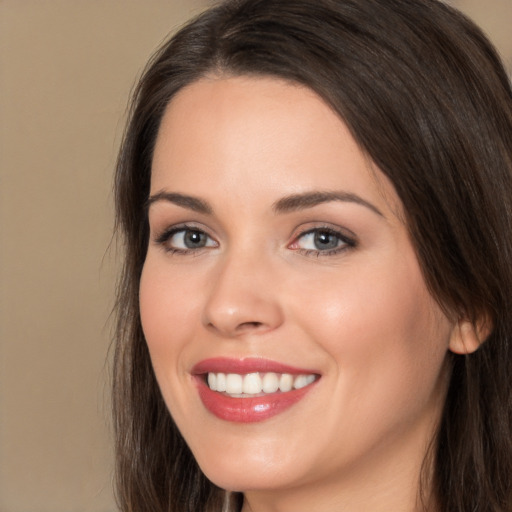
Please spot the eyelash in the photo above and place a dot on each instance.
(346, 241)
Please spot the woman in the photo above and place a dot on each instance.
(314, 312)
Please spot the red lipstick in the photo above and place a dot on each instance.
(247, 409)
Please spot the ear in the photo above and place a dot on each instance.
(467, 336)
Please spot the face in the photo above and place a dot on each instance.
(288, 322)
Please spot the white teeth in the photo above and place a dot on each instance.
(221, 382)
(212, 380)
(270, 383)
(286, 382)
(256, 383)
(303, 380)
(252, 384)
(234, 383)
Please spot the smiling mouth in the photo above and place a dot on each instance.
(256, 384)
(250, 390)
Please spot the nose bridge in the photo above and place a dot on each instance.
(241, 297)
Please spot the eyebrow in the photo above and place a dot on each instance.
(286, 204)
(189, 202)
(310, 199)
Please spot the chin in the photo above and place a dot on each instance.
(246, 478)
(252, 472)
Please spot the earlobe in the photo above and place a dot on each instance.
(467, 337)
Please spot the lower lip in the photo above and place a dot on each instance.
(250, 409)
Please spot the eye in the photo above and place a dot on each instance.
(185, 239)
(323, 241)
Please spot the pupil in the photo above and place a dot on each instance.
(194, 239)
(325, 240)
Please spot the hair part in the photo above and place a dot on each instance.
(425, 96)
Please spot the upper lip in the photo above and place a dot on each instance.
(246, 365)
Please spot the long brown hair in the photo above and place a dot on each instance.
(426, 97)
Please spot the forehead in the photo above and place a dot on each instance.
(262, 133)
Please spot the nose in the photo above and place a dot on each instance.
(243, 298)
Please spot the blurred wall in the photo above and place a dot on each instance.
(66, 69)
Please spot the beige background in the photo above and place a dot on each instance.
(66, 69)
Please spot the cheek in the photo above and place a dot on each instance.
(169, 310)
(385, 335)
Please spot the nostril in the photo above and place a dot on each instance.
(249, 325)
(241, 328)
